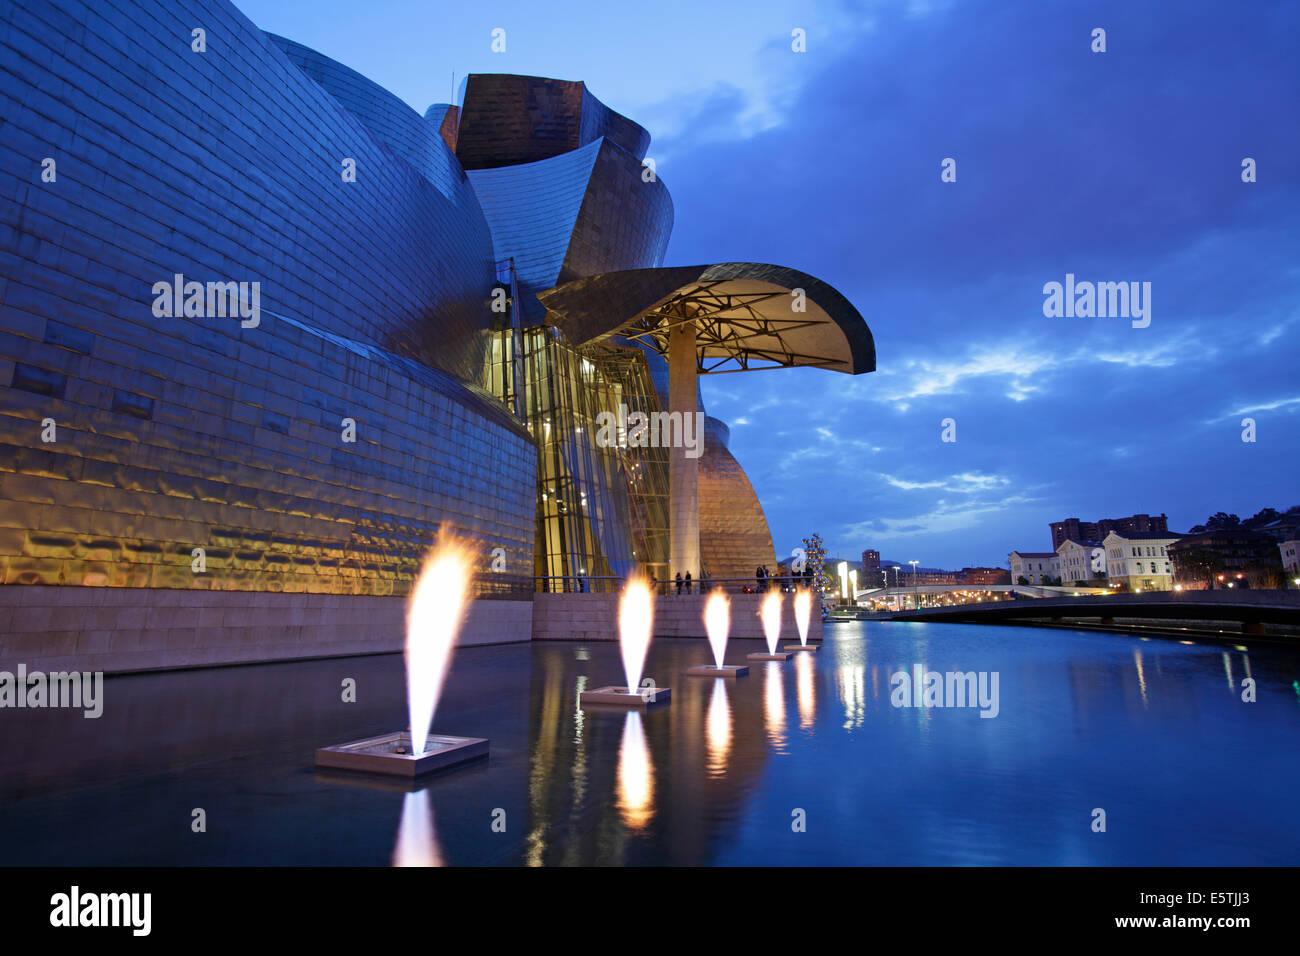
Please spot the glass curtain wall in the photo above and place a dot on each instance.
(602, 509)
(645, 470)
(583, 528)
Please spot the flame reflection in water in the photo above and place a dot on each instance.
(635, 775)
(718, 729)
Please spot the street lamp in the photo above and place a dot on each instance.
(916, 598)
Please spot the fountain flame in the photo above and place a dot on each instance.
(771, 612)
(432, 619)
(802, 613)
(635, 616)
(717, 623)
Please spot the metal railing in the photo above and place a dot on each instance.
(605, 584)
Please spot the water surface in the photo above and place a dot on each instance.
(1153, 732)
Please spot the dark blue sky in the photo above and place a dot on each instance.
(1115, 166)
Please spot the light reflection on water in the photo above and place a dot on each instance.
(417, 834)
(774, 704)
(1156, 732)
(805, 682)
(636, 788)
(719, 728)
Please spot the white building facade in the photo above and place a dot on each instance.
(1081, 563)
(1036, 567)
(1290, 559)
(1139, 561)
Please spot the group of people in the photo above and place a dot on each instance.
(763, 578)
(687, 582)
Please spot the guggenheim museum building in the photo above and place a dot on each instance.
(266, 331)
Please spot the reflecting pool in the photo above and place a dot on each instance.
(805, 762)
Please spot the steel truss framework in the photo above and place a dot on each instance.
(728, 329)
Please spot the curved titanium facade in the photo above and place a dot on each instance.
(508, 119)
(417, 139)
(625, 221)
(172, 434)
(532, 209)
(321, 446)
(446, 118)
(734, 536)
(578, 214)
(561, 183)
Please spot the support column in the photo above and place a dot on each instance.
(683, 472)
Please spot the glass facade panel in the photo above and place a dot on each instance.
(602, 507)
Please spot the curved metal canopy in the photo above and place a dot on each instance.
(747, 315)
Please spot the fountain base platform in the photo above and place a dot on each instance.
(800, 647)
(391, 754)
(622, 697)
(768, 657)
(726, 670)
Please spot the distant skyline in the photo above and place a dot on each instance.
(1123, 166)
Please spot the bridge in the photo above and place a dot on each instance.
(912, 590)
(1253, 610)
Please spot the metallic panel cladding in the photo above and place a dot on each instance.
(507, 120)
(734, 535)
(178, 433)
(415, 138)
(532, 209)
(625, 221)
(225, 165)
(581, 213)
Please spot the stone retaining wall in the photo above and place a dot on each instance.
(118, 630)
(594, 617)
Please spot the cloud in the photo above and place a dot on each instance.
(923, 377)
(944, 518)
(1018, 371)
(966, 483)
(1287, 403)
(1116, 167)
